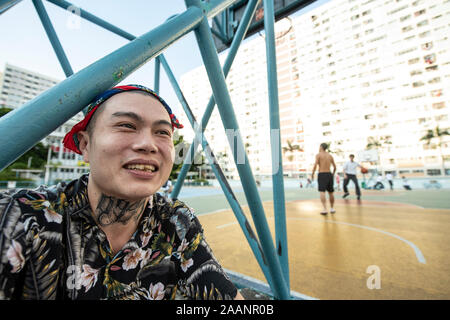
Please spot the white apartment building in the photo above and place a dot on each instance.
(248, 94)
(349, 71)
(18, 86)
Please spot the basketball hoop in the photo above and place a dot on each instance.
(285, 28)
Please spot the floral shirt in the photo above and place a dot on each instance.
(51, 248)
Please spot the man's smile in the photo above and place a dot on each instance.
(141, 167)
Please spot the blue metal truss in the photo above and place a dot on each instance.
(51, 109)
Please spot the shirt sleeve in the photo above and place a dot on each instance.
(201, 276)
(14, 245)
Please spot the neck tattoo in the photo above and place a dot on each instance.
(112, 210)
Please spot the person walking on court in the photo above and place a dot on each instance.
(350, 174)
(325, 178)
(389, 178)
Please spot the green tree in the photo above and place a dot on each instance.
(377, 143)
(436, 134)
(4, 110)
(181, 150)
(37, 153)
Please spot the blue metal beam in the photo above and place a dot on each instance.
(157, 75)
(48, 111)
(7, 4)
(277, 168)
(240, 34)
(222, 97)
(226, 188)
(51, 34)
(94, 19)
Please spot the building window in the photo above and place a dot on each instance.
(437, 93)
(419, 13)
(405, 18)
(422, 23)
(427, 45)
(432, 68)
(435, 80)
(433, 172)
(430, 59)
(407, 51)
(406, 29)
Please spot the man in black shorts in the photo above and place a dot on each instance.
(325, 178)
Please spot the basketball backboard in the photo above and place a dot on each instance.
(227, 22)
(368, 155)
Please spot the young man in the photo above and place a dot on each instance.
(109, 234)
(350, 174)
(325, 178)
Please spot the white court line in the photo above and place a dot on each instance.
(226, 225)
(417, 251)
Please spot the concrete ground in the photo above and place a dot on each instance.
(390, 245)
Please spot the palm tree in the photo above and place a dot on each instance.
(291, 148)
(374, 143)
(436, 133)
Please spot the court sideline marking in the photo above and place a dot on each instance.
(420, 257)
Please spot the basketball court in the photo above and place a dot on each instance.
(334, 256)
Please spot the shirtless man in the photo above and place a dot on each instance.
(325, 178)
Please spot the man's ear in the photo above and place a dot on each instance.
(83, 145)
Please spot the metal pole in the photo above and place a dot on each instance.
(237, 40)
(226, 188)
(92, 18)
(212, 8)
(157, 75)
(277, 168)
(53, 37)
(222, 97)
(5, 5)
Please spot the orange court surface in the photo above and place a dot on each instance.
(334, 256)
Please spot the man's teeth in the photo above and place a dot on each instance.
(143, 167)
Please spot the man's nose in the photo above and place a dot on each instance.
(145, 142)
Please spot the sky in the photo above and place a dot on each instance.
(24, 42)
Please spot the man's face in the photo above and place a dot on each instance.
(351, 158)
(130, 151)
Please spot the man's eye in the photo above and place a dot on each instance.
(164, 132)
(127, 125)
